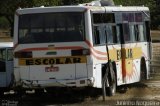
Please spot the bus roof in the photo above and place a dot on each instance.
(79, 8)
(6, 44)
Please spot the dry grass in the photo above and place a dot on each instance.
(155, 36)
(5, 36)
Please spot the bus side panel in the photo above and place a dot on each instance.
(25, 73)
(9, 70)
(119, 73)
(3, 79)
(17, 76)
(98, 76)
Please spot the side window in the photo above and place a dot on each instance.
(126, 33)
(136, 32)
(119, 32)
(9, 55)
(2, 54)
(99, 35)
(141, 33)
(132, 33)
(103, 18)
(111, 32)
(2, 60)
(96, 38)
(97, 18)
(102, 27)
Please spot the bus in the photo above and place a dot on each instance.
(82, 45)
(6, 66)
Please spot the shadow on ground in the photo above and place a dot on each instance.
(58, 97)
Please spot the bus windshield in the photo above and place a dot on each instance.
(51, 27)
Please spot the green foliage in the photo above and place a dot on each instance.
(4, 24)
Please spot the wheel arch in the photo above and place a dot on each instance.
(104, 66)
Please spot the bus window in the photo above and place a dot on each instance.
(9, 55)
(141, 33)
(111, 34)
(109, 18)
(114, 34)
(99, 35)
(119, 33)
(63, 27)
(138, 17)
(126, 34)
(2, 54)
(96, 38)
(136, 32)
(97, 18)
(2, 60)
(103, 18)
(132, 33)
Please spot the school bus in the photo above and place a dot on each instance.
(82, 45)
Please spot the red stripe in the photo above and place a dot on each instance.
(99, 58)
(98, 52)
(15, 45)
(56, 48)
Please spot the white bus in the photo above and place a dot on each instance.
(74, 46)
(6, 66)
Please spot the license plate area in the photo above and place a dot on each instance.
(51, 69)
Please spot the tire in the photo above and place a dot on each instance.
(143, 73)
(20, 92)
(112, 85)
(1, 93)
(109, 78)
(39, 91)
(104, 85)
(51, 90)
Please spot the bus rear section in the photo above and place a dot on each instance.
(50, 48)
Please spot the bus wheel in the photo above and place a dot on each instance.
(104, 85)
(39, 91)
(1, 93)
(143, 73)
(20, 92)
(112, 83)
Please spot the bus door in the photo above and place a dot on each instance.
(6, 66)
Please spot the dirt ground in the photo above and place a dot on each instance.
(136, 95)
